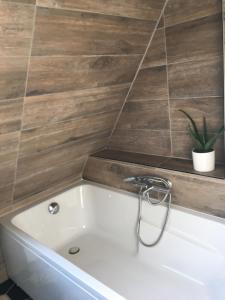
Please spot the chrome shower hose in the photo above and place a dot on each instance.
(167, 200)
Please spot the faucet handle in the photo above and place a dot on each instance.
(130, 179)
(149, 181)
(136, 180)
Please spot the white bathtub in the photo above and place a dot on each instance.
(188, 264)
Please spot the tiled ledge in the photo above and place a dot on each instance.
(175, 164)
(192, 191)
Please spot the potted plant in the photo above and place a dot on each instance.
(203, 153)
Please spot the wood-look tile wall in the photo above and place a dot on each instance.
(65, 70)
(183, 69)
(189, 190)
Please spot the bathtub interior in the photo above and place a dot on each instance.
(84, 210)
(102, 223)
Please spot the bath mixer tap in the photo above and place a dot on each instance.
(137, 180)
(149, 184)
(150, 187)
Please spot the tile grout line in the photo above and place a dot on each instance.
(168, 93)
(87, 55)
(88, 155)
(211, 56)
(74, 56)
(114, 86)
(137, 72)
(49, 169)
(186, 61)
(84, 166)
(79, 10)
(177, 99)
(90, 12)
(22, 113)
(193, 20)
(19, 3)
(82, 139)
(66, 121)
(154, 130)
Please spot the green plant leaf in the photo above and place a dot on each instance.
(202, 141)
(198, 136)
(205, 131)
(198, 144)
(209, 145)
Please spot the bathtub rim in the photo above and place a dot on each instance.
(83, 182)
(74, 273)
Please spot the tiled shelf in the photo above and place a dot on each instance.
(176, 164)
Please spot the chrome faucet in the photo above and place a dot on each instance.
(150, 186)
(138, 181)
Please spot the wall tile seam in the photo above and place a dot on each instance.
(209, 57)
(95, 151)
(176, 99)
(212, 56)
(85, 55)
(210, 131)
(85, 162)
(78, 118)
(99, 135)
(78, 90)
(196, 97)
(83, 139)
(52, 168)
(189, 21)
(12, 99)
(139, 68)
(25, 91)
(72, 56)
(168, 91)
(88, 155)
(144, 129)
(93, 12)
(18, 3)
(43, 169)
(27, 201)
(145, 100)
(152, 67)
(124, 84)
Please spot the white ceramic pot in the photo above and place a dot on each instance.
(204, 162)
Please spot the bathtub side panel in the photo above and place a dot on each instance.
(36, 276)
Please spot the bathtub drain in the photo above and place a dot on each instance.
(74, 250)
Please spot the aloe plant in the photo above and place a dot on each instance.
(202, 140)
